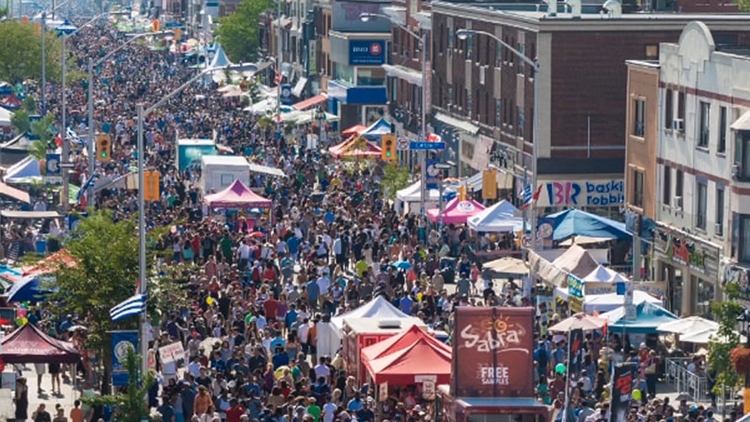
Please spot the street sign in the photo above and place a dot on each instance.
(419, 145)
(402, 144)
(53, 174)
(67, 165)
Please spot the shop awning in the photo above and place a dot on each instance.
(271, 171)
(310, 102)
(14, 193)
(29, 214)
(299, 87)
(403, 72)
(743, 123)
(458, 123)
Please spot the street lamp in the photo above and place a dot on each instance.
(367, 17)
(463, 34)
(91, 65)
(142, 201)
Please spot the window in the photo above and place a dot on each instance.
(652, 51)
(639, 115)
(469, 48)
(705, 294)
(722, 147)
(679, 181)
(701, 197)
(498, 54)
(681, 106)
(705, 123)
(449, 95)
(742, 155)
(667, 186)
(719, 223)
(498, 113)
(451, 36)
(744, 249)
(521, 121)
(469, 105)
(668, 109)
(638, 188)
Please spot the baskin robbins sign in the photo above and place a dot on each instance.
(493, 352)
(582, 193)
(366, 52)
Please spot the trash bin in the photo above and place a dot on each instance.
(41, 246)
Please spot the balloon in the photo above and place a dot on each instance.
(560, 369)
(21, 321)
(637, 394)
(21, 312)
(24, 305)
(210, 301)
(249, 318)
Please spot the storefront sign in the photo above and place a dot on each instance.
(684, 249)
(582, 193)
(492, 353)
(656, 289)
(366, 52)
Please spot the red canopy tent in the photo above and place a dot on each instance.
(49, 263)
(237, 196)
(336, 149)
(28, 344)
(358, 148)
(11, 101)
(354, 130)
(407, 357)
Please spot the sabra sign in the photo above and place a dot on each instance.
(492, 352)
(684, 249)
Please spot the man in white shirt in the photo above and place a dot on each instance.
(195, 367)
(324, 283)
(322, 370)
(329, 411)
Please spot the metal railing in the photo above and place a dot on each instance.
(685, 381)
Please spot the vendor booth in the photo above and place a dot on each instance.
(575, 260)
(602, 273)
(499, 218)
(409, 357)
(648, 317)
(28, 344)
(455, 212)
(607, 302)
(412, 194)
(237, 196)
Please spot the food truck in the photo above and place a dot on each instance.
(493, 362)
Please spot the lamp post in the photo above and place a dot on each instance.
(366, 17)
(90, 67)
(463, 34)
(142, 206)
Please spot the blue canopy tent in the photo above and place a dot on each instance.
(220, 58)
(24, 171)
(377, 129)
(648, 317)
(28, 289)
(574, 222)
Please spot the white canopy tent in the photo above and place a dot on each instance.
(609, 301)
(413, 195)
(602, 273)
(499, 218)
(5, 116)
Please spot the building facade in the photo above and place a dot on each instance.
(701, 193)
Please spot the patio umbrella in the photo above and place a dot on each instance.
(579, 321)
(257, 234)
(706, 336)
(403, 265)
(688, 326)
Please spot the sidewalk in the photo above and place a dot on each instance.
(66, 399)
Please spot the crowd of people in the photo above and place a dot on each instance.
(260, 281)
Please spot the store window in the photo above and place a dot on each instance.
(704, 294)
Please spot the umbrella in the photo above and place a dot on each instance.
(706, 336)
(257, 234)
(403, 265)
(579, 321)
(77, 328)
(688, 326)
(279, 373)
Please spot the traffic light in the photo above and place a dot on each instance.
(388, 147)
(151, 186)
(103, 148)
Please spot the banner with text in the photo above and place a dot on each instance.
(582, 193)
(122, 343)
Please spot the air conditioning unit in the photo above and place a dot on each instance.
(677, 202)
(736, 170)
(678, 124)
(718, 229)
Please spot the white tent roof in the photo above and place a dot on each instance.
(5, 116)
(378, 308)
(372, 325)
(24, 171)
(602, 273)
(501, 217)
(413, 193)
(612, 301)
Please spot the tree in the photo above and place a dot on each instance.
(106, 253)
(743, 5)
(130, 404)
(41, 129)
(29, 104)
(3, 12)
(394, 179)
(720, 352)
(238, 32)
(20, 121)
(21, 53)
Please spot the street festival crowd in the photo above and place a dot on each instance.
(319, 255)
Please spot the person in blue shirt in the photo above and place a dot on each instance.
(313, 293)
(329, 217)
(559, 354)
(406, 303)
(65, 325)
(355, 404)
(278, 342)
(293, 244)
(280, 358)
(541, 356)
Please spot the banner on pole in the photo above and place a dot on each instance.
(122, 343)
(433, 175)
(622, 389)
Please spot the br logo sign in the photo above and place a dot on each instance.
(375, 49)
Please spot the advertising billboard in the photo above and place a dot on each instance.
(493, 352)
(366, 52)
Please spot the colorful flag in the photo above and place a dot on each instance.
(530, 197)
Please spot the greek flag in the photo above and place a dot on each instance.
(73, 137)
(86, 186)
(130, 307)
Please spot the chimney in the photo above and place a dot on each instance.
(551, 8)
(614, 8)
(575, 8)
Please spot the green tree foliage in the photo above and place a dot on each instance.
(130, 404)
(3, 12)
(29, 104)
(21, 53)
(20, 121)
(394, 179)
(41, 129)
(719, 352)
(743, 5)
(238, 32)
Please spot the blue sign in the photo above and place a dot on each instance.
(366, 52)
(433, 174)
(356, 95)
(122, 342)
(53, 174)
(419, 145)
(286, 94)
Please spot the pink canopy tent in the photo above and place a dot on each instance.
(237, 196)
(456, 212)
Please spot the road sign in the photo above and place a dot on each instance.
(67, 165)
(418, 145)
(402, 144)
(53, 174)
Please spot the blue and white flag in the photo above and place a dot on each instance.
(73, 137)
(86, 186)
(128, 308)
